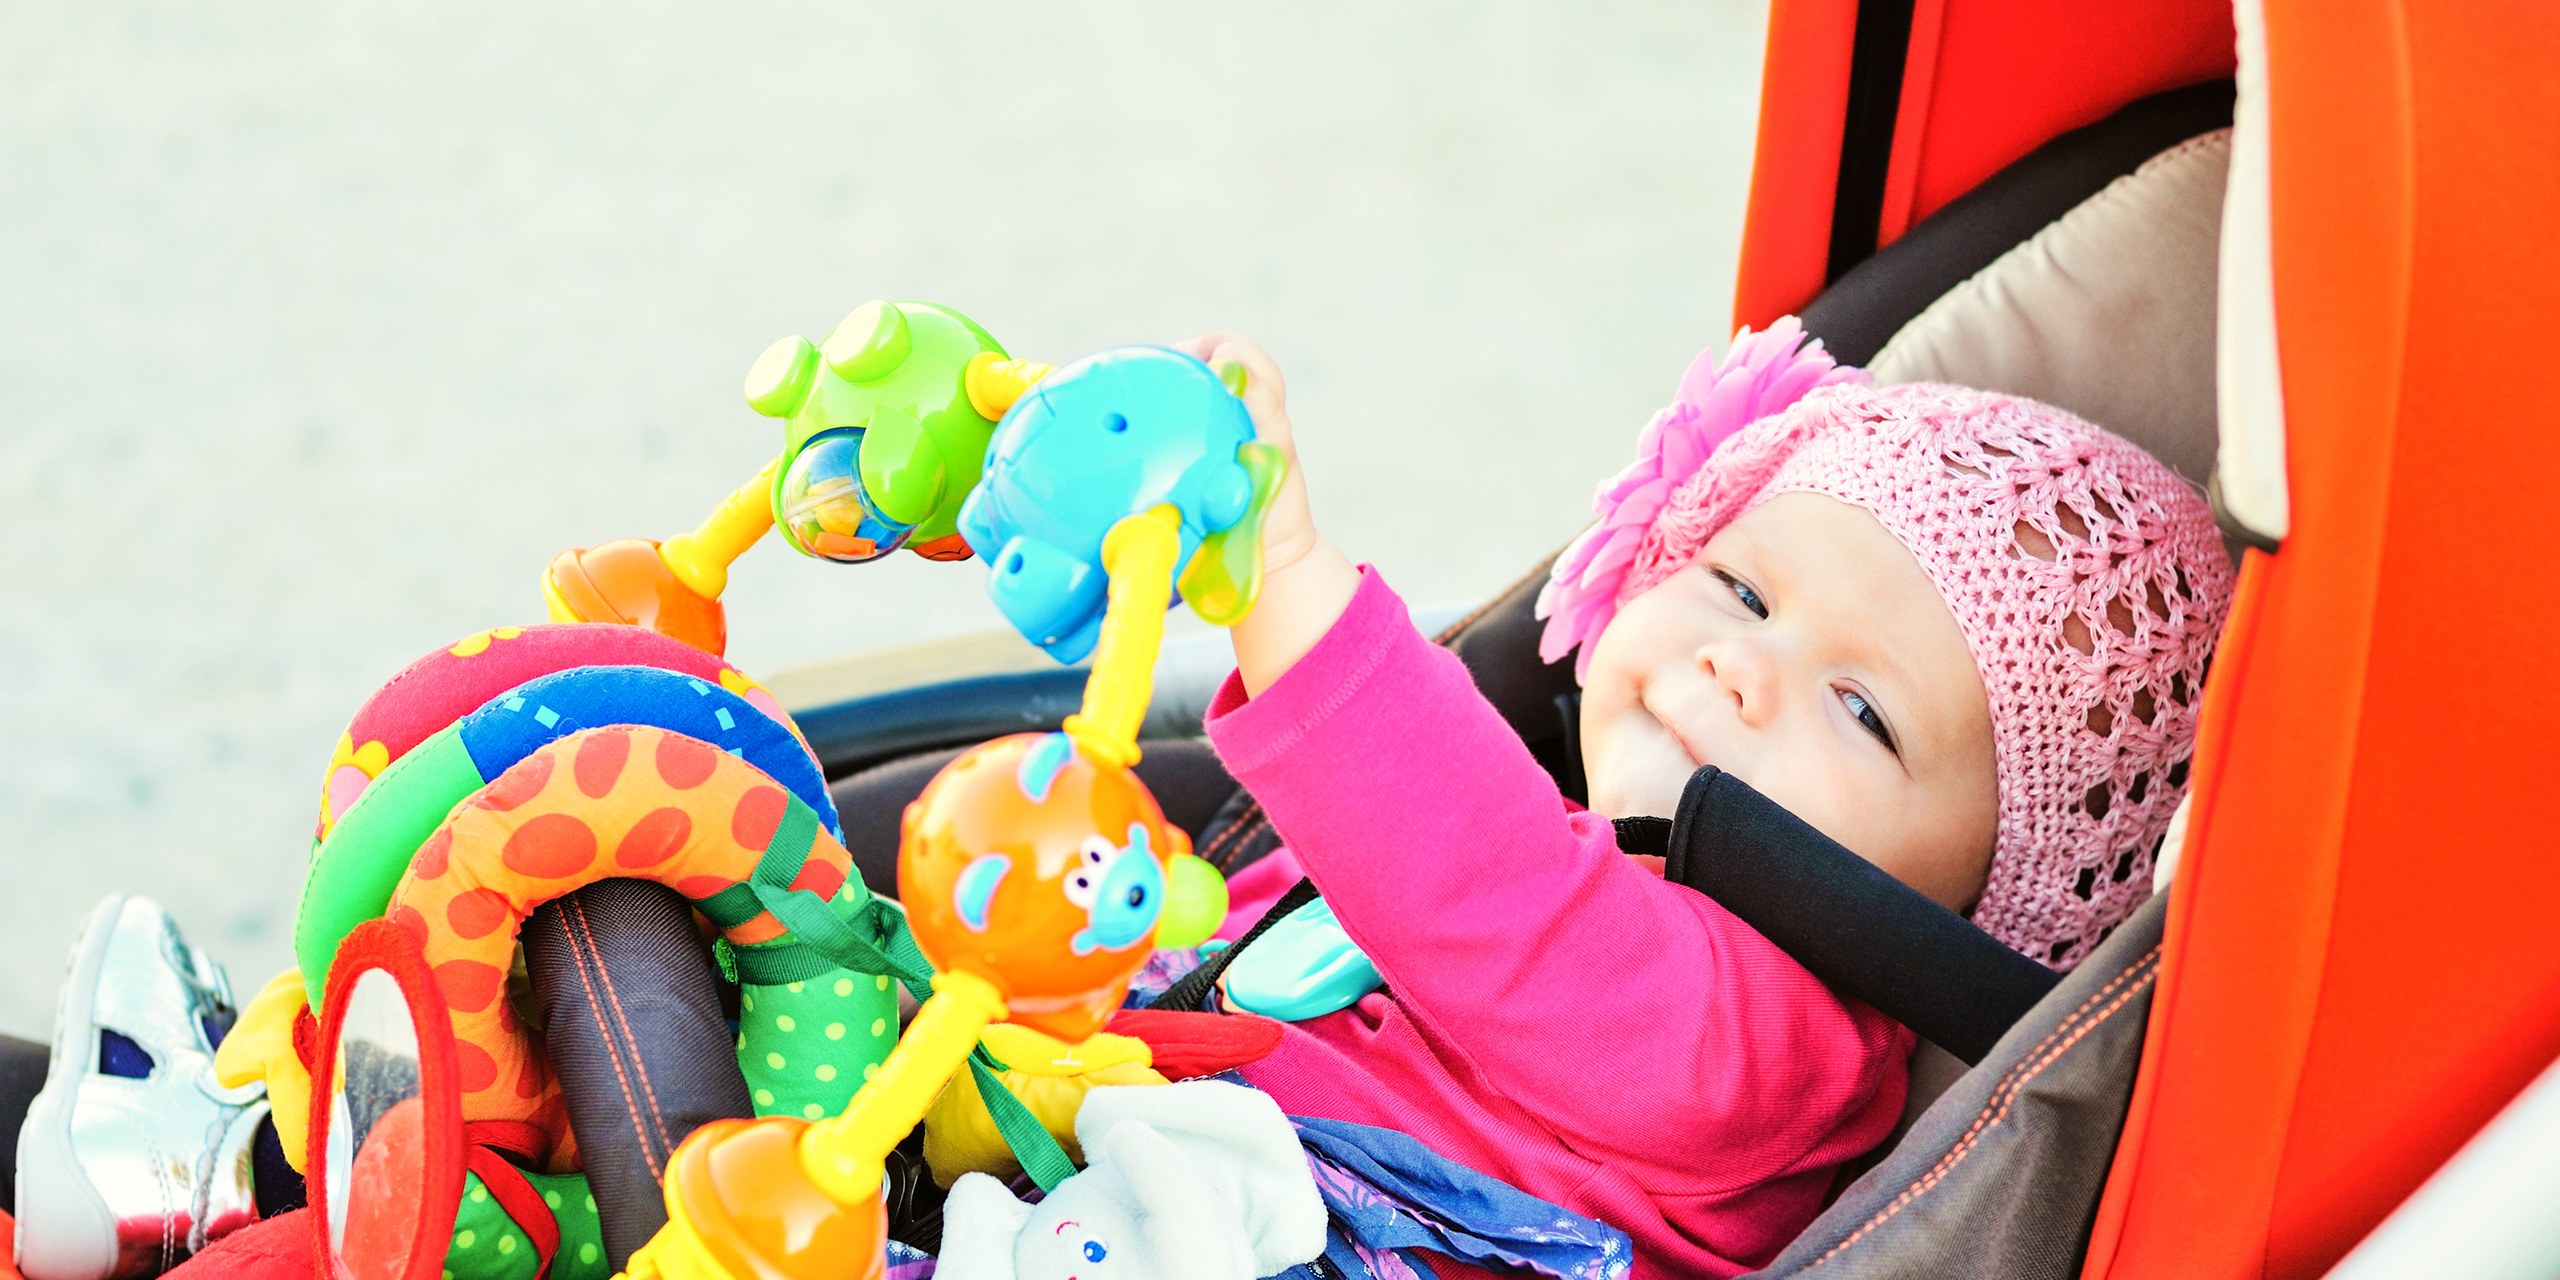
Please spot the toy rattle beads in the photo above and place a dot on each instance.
(885, 423)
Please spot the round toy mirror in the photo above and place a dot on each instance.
(387, 1132)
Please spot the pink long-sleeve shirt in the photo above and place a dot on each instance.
(1554, 1015)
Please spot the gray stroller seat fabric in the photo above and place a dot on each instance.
(2001, 1176)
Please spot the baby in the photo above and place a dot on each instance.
(1961, 633)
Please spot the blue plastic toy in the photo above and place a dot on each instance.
(1303, 967)
(1116, 434)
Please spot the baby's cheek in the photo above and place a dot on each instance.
(1635, 769)
(1862, 813)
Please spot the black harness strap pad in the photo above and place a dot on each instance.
(1864, 933)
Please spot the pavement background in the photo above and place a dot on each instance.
(323, 327)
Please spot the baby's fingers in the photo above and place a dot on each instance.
(1264, 392)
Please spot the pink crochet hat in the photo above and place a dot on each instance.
(2088, 579)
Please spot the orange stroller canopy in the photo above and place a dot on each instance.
(2361, 964)
(1890, 110)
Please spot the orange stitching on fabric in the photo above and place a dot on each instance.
(1450, 632)
(1227, 835)
(579, 940)
(1261, 824)
(1238, 834)
(1996, 1107)
(639, 1066)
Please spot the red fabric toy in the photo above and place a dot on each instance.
(1186, 1046)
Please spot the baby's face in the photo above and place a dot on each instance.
(1805, 652)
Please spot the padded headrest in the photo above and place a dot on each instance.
(2108, 311)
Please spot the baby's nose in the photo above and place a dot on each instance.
(1745, 674)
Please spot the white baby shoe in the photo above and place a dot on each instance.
(132, 1156)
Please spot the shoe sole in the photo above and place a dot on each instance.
(65, 1231)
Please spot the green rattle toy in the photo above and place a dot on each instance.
(885, 428)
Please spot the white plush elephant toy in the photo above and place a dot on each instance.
(1193, 1181)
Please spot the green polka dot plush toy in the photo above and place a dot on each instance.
(811, 1030)
(488, 1245)
(806, 1046)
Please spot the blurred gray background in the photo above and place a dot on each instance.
(323, 327)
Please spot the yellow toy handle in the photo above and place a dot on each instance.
(994, 383)
(844, 1156)
(1138, 553)
(701, 559)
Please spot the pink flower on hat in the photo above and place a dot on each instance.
(1761, 374)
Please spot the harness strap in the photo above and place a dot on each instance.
(1863, 933)
(1191, 991)
(1650, 837)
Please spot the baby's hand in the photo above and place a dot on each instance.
(1288, 528)
(1306, 580)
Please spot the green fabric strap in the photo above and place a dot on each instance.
(815, 927)
(1029, 1140)
(879, 944)
(821, 939)
(784, 855)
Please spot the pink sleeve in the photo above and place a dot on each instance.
(1629, 1016)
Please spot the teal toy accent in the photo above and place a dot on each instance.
(1303, 967)
(1121, 889)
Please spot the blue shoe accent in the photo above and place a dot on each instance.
(120, 1057)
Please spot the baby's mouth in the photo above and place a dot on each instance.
(1697, 751)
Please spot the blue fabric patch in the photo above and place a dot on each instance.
(906, 1262)
(1388, 1198)
(1163, 968)
(502, 732)
(1388, 1193)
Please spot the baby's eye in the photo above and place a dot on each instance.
(1868, 718)
(1742, 591)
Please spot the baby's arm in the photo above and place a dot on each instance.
(1623, 1012)
(1306, 581)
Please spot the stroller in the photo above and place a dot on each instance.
(2094, 205)
(2265, 268)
